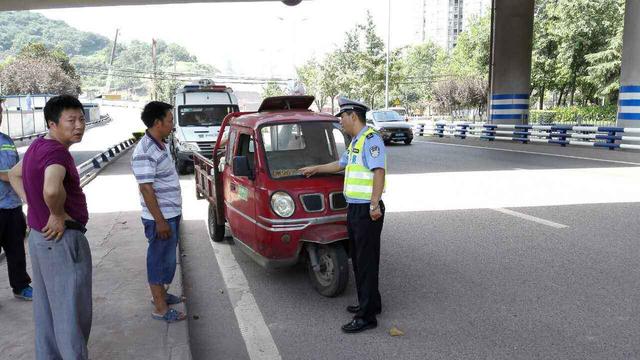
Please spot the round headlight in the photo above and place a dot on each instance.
(282, 204)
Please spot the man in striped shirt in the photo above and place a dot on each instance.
(161, 202)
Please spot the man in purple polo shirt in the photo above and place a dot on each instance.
(60, 255)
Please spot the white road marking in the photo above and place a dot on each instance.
(531, 218)
(254, 330)
(511, 189)
(531, 152)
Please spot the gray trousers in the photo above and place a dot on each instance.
(62, 304)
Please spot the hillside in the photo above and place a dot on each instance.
(19, 28)
(90, 52)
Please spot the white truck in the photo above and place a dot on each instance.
(198, 113)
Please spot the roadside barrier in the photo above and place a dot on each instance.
(103, 120)
(89, 169)
(610, 137)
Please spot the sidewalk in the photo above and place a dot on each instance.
(122, 324)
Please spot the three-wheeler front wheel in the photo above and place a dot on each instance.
(333, 273)
(216, 231)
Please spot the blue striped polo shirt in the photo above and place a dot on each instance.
(152, 163)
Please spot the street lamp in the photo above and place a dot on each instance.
(386, 75)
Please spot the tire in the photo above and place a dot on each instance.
(408, 141)
(216, 231)
(182, 167)
(387, 142)
(333, 277)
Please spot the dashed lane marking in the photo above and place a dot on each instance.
(531, 218)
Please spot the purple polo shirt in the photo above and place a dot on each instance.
(41, 154)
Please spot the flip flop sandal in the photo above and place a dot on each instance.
(171, 316)
(172, 299)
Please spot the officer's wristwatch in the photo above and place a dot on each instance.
(373, 207)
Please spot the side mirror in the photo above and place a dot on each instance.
(241, 167)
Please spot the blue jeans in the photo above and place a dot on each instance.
(161, 253)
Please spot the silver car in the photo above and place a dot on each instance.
(391, 126)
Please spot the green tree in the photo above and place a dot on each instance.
(371, 62)
(470, 57)
(25, 75)
(583, 27)
(40, 51)
(417, 67)
(272, 89)
(310, 75)
(604, 66)
(329, 82)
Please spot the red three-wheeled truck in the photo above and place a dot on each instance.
(257, 195)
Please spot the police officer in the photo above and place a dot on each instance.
(13, 226)
(364, 163)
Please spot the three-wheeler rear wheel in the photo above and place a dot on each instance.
(333, 273)
(216, 231)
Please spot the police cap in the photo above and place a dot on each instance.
(350, 105)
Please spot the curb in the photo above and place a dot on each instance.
(89, 169)
(178, 334)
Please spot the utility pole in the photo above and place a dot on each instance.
(386, 80)
(113, 55)
(154, 91)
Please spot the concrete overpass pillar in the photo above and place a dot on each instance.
(629, 103)
(511, 67)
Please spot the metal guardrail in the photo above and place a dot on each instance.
(103, 120)
(89, 169)
(610, 137)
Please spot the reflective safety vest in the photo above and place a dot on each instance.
(358, 179)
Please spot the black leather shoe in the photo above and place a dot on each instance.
(355, 308)
(357, 325)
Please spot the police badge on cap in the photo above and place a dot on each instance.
(350, 105)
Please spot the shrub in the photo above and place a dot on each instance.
(575, 115)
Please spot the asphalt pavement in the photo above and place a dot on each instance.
(490, 251)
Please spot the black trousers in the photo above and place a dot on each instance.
(364, 248)
(13, 228)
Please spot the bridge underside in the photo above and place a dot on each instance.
(7, 5)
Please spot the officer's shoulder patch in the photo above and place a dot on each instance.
(374, 151)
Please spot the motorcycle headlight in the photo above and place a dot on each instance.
(282, 204)
(190, 146)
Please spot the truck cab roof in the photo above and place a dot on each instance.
(281, 109)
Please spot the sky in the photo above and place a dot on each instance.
(250, 38)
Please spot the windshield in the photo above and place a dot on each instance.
(289, 147)
(400, 111)
(204, 115)
(383, 116)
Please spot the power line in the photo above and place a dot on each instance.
(147, 76)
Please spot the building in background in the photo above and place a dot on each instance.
(444, 20)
